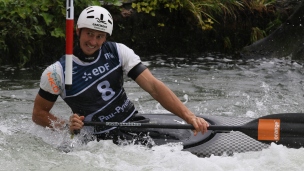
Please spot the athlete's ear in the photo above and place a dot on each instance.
(77, 31)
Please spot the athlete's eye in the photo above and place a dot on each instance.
(100, 36)
(90, 34)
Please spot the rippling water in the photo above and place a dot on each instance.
(210, 85)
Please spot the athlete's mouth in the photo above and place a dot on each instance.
(91, 47)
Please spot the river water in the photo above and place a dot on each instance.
(211, 85)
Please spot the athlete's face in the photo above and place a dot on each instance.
(90, 40)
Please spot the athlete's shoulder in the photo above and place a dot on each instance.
(119, 46)
(122, 46)
(109, 44)
(52, 79)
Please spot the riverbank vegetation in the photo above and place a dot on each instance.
(33, 32)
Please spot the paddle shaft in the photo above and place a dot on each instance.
(158, 125)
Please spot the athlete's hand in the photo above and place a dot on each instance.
(199, 124)
(76, 122)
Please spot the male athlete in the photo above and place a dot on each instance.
(97, 93)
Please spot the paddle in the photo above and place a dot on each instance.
(286, 128)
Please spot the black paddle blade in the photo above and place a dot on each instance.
(286, 129)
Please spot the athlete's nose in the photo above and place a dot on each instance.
(93, 40)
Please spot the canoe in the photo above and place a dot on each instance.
(226, 135)
(211, 143)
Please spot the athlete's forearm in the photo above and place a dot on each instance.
(42, 116)
(171, 102)
(47, 119)
(160, 92)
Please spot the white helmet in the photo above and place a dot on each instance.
(96, 18)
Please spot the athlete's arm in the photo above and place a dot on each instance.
(138, 72)
(42, 116)
(160, 92)
(50, 88)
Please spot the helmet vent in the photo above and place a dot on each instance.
(91, 16)
(90, 11)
